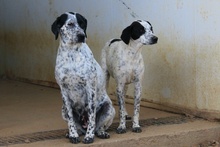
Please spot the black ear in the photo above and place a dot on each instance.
(58, 23)
(126, 35)
(82, 22)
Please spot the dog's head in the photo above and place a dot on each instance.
(71, 27)
(141, 31)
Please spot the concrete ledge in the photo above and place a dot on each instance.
(182, 139)
(181, 135)
(206, 114)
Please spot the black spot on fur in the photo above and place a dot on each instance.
(134, 31)
(114, 40)
(58, 23)
(151, 28)
(82, 22)
(65, 85)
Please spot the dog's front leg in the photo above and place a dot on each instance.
(137, 99)
(127, 117)
(91, 95)
(122, 112)
(73, 135)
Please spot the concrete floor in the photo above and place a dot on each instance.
(28, 109)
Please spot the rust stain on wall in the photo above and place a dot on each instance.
(30, 54)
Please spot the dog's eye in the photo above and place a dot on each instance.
(142, 31)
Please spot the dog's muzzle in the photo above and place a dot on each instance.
(154, 40)
(81, 38)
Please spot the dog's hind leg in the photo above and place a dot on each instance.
(104, 119)
(107, 77)
(137, 99)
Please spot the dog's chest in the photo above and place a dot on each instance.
(131, 66)
(74, 65)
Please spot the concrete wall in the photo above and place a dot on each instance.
(29, 50)
(182, 70)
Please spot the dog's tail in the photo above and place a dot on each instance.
(104, 64)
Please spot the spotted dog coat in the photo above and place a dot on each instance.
(122, 59)
(86, 106)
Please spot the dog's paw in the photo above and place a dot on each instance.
(121, 130)
(88, 140)
(103, 135)
(74, 140)
(137, 130)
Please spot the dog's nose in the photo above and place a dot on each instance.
(81, 37)
(154, 39)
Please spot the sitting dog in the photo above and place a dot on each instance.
(122, 59)
(86, 106)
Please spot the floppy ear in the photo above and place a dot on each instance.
(82, 22)
(58, 23)
(126, 35)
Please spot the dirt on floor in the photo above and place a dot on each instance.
(213, 143)
(31, 110)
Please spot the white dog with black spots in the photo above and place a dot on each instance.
(86, 106)
(122, 59)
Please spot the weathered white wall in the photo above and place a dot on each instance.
(182, 70)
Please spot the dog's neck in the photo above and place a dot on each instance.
(136, 46)
(70, 46)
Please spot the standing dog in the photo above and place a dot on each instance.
(122, 59)
(86, 106)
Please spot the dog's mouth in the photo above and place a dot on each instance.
(80, 38)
